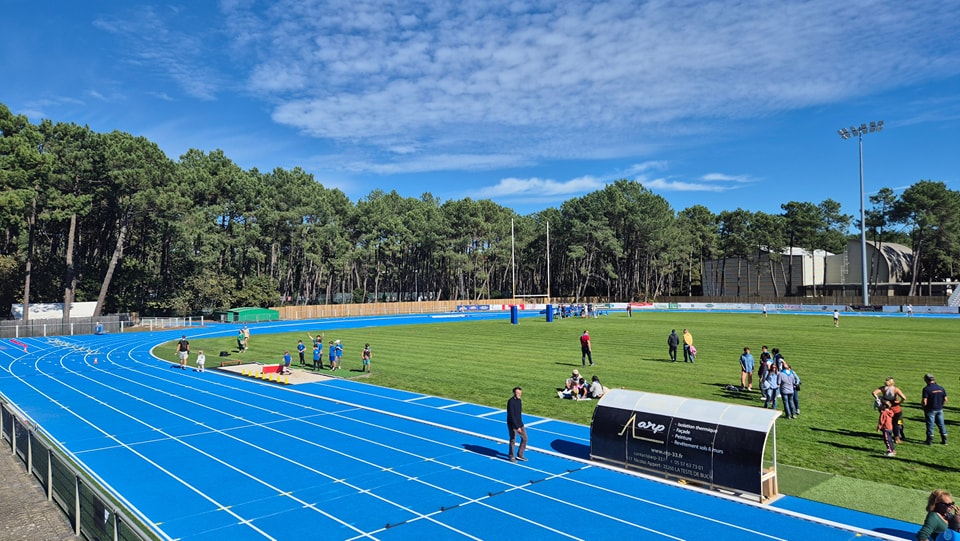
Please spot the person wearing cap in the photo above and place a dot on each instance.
(933, 399)
(569, 385)
(515, 425)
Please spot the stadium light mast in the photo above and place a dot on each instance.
(846, 134)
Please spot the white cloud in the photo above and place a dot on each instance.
(166, 44)
(434, 74)
(512, 188)
(722, 177)
(666, 185)
(436, 162)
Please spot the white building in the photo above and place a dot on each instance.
(813, 273)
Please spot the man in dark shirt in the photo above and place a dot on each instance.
(515, 425)
(672, 342)
(183, 351)
(934, 397)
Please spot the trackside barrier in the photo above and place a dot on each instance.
(714, 444)
(93, 511)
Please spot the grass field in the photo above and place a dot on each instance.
(831, 452)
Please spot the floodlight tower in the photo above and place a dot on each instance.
(846, 134)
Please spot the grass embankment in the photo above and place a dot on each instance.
(830, 453)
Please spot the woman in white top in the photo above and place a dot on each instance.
(596, 388)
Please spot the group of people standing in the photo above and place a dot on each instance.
(334, 354)
(888, 399)
(689, 350)
(777, 380)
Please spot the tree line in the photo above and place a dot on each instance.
(109, 217)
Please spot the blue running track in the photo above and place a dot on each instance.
(214, 456)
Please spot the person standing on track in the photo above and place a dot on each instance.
(586, 349)
(201, 360)
(515, 425)
(183, 351)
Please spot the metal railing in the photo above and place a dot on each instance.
(94, 512)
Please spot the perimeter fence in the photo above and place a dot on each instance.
(93, 511)
(115, 323)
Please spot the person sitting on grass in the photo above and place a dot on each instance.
(580, 389)
(568, 385)
(596, 389)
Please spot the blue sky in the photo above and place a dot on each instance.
(726, 104)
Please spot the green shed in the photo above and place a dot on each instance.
(246, 314)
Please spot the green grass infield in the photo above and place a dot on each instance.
(831, 453)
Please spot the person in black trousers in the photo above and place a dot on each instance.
(515, 425)
(672, 342)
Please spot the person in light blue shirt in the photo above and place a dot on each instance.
(769, 384)
(787, 381)
(746, 370)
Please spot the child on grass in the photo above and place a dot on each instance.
(366, 356)
(885, 425)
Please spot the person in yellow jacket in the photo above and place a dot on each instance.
(687, 344)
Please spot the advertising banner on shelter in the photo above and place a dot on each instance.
(699, 447)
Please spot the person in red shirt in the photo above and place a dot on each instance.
(885, 425)
(586, 350)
